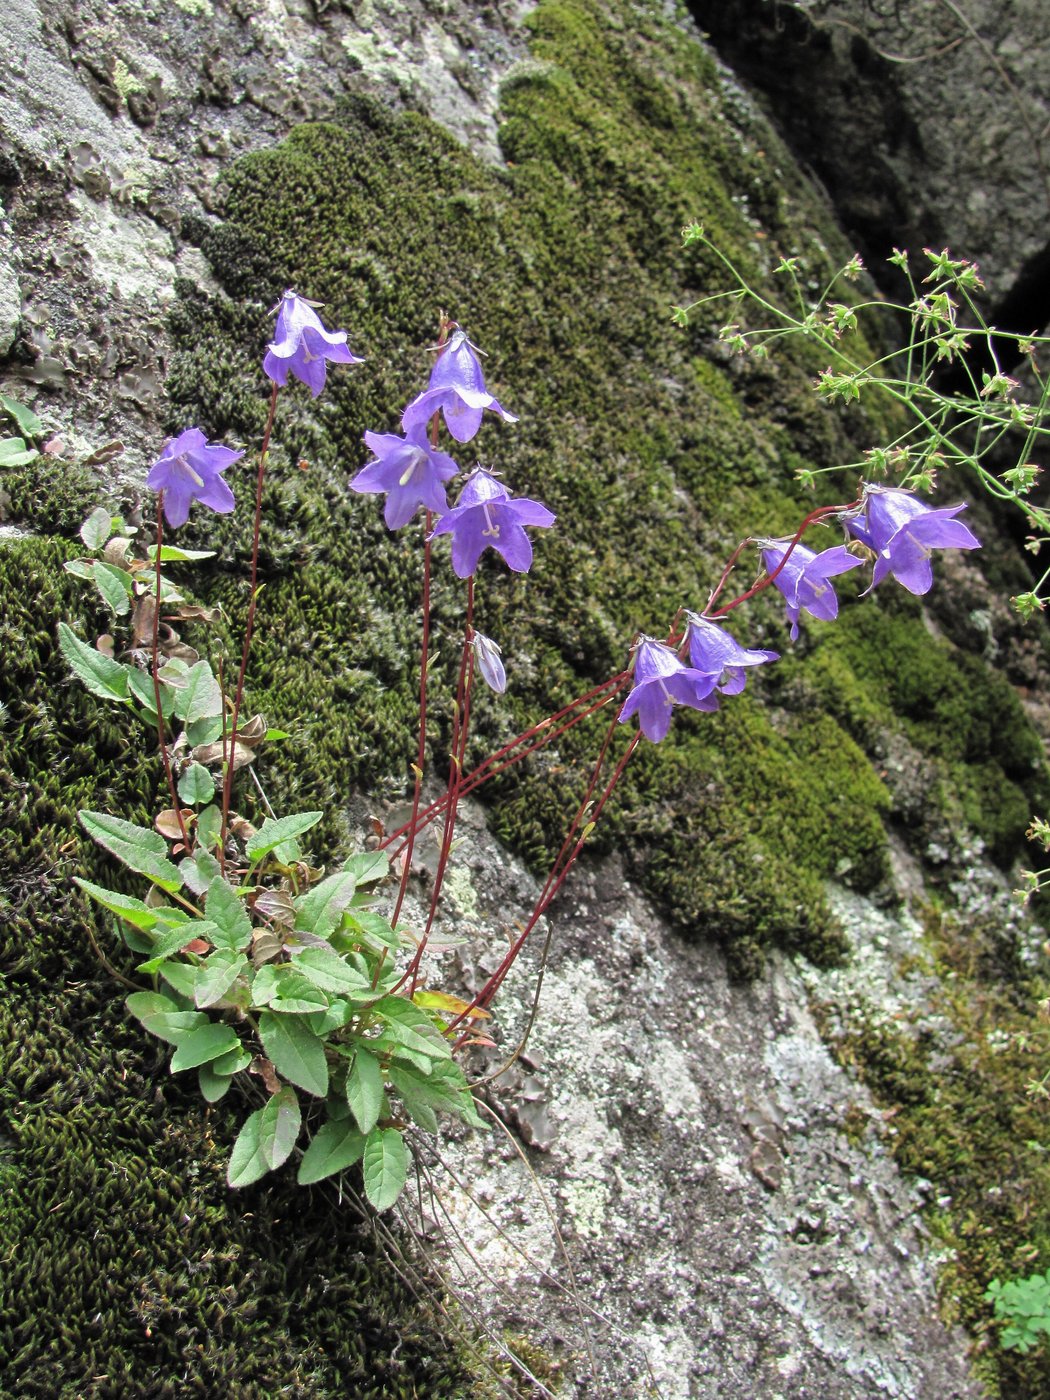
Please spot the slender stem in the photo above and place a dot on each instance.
(445, 325)
(460, 730)
(155, 659)
(421, 753)
(227, 786)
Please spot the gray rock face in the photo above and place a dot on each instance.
(928, 123)
(691, 1214)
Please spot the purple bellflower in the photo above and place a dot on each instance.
(410, 471)
(804, 578)
(902, 531)
(457, 388)
(487, 656)
(302, 346)
(661, 681)
(190, 469)
(487, 515)
(716, 653)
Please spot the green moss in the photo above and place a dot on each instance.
(953, 1076)
(129, 1267)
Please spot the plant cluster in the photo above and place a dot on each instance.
(263, 965)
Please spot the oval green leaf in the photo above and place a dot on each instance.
(385, 1167)
(335, 1147)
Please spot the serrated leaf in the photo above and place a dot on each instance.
(196, 785)
(279, 1127)
(198, 870)
(206, 1043)
(320, 909)
(385, 1167)
(102, 676)
(216, 975)
(368, 867)
(274, 833)
(141, 687)
(227, 913)
(296, 1053)
(212, 1086)
(335, 1147)
(140, 849)
(247, 1163)
(173, 939)
(371, 930)
(364, 1090)
(294, 994)
(180, 976)
(327, 970)
(97, 528)
(25, 419)
(197, 694)
(133, 911)
(115, 587)
(412, 1027)
(163, 1018)
(323, 1023)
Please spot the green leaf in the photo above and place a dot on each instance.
(385, 1167)
(172, 554)
(204, 731)
(226, 911)
(216, 975)
(296, 1053)
(197, 694)
(209, 826)
(274, 736)
(25, 419)
(273, 833)
(371, 930)
(323, 1023)
(180, 977)
(133, 911)
(199, 870)
(101, 675)
(335, 1147)
(412, 1027)
(247, 1163)
(327, 970)
(320, 909)
(14, 453)
(141, 687)
(368, 867)
(364, 1090)
(115, 587)
(212, 1085)
(175, 937)
(140, 849)
(196, 785)
(279, 1127)
(232, 1062)
(204, 1044)
(163, 1017)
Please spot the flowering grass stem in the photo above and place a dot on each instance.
(155, 660)
(231, 762)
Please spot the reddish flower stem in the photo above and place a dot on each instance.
(563, 863)
(227, 785)
(767, 579)
(421, 753)
(543, 733)
(156, 679)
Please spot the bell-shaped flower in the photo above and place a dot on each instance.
(457, 389)
(661, 681)
(903, 531)
(490, 663)
(715, 652)
(302, 346)
(487, 516)
(804, 578)
(190, 469)
(410, 471)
